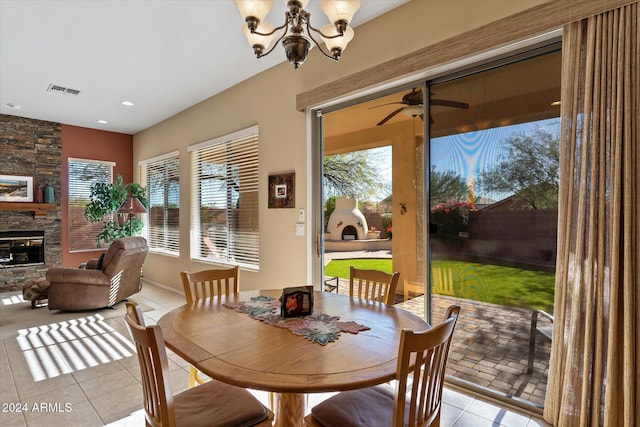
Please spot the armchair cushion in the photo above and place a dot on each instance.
(78, 276)
(95, 263)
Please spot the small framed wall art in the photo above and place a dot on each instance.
(282, 190)
(16, 188)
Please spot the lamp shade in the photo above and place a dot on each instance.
(338, 42)
(132, 205)
(257, 39)
(255, 8)
(340, 10)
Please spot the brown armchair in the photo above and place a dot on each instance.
(101, 283)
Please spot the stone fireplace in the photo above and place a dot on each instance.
(30, 147)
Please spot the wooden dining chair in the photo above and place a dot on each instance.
(212, 404)
(374, 285)
(205, 284)
(417, 399)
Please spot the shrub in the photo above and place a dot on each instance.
(452, 217)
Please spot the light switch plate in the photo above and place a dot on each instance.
(299, 229)
(301, 215)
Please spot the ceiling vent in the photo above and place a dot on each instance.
(64, 90)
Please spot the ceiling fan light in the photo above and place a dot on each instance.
(337, 42)
(413, 110)
(252, 10)
(340, 10)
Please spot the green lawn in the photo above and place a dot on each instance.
(481, 282)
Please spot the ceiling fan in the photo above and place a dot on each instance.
(412, 102)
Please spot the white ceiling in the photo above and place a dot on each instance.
(163, 55)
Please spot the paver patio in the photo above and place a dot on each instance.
(490, 346)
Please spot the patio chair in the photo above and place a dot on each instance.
(206, 284)
(374, 285)
(212, 404)
(417, 399)
(329, 285)
(544, 330)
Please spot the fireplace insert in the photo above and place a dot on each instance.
(20, 248)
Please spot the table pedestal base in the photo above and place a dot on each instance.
(289, 410)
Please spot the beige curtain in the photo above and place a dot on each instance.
(594, 375)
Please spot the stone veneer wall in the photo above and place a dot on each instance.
(32, 147)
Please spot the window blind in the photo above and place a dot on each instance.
(162, 179)
(83, 173)
(224, 224)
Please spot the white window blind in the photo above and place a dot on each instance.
(82, 174)
(162, 179)
(224, 225)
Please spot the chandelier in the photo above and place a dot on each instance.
(297, 37)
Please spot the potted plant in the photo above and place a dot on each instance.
(105, 199)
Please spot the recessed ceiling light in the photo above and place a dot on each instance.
(102, 122)
(14, 106)
(127, 103)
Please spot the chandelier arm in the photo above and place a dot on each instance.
(310, 27)
(286, 27)
(318, 44)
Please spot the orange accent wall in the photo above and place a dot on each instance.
(92, 144)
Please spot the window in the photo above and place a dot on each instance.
(82, 175)
(162, 179)
(224, 224)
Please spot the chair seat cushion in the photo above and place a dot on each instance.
(233, 407)
(371, 407)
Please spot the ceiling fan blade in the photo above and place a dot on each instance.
(383, 121)
(447, 103)
(390, 103)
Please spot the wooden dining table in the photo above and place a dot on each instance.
(232, 347)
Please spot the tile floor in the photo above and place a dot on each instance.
(102, 388)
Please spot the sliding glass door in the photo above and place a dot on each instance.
(493, 194)
(456, 179)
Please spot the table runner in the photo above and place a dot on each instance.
(317, 327)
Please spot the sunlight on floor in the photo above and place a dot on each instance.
(14, 299)
(64, 347)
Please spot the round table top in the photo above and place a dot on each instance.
(232, 347)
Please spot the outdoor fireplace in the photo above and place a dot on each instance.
(20, 248)
(346, 221)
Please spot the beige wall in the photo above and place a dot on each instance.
(269, 100)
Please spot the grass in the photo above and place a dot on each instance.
(494, 284)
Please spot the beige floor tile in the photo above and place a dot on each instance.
(114, 406)
(76, 415)
(98, 387)
(12, 418)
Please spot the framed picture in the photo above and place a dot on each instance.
(296, 302)
(282, 190)
(15, 188)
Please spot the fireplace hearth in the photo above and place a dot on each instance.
(21, 248)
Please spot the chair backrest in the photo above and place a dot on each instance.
(154, 367)
(422, 360)
(122, 263)
(373, 285)
(207, 283)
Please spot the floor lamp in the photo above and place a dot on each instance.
(131, 206)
